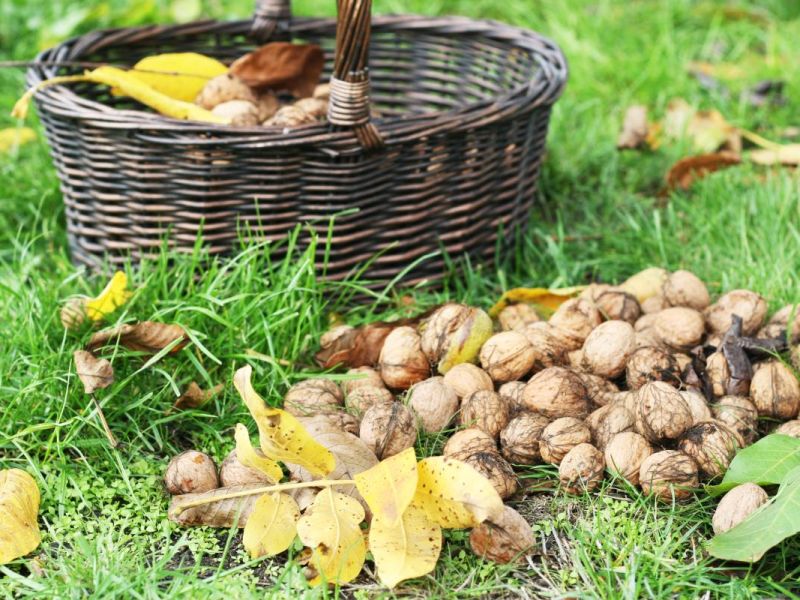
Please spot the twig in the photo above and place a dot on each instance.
(109, 434)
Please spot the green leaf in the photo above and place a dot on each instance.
(765, 463)
(765, 528)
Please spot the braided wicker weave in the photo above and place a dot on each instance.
(436, 146)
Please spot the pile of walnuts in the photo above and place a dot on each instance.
(660, 390)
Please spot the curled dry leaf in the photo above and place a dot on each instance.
(95, 373)
(282, 66)
(686, 171)
(331, 528)
(195, 396)
(218, 508)
(634, 128)
(389, 487)
(544, 300)
(272, 525)
(19, 509)
(146, 336)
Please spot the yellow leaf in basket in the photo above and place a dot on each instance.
(14, 137)
(180, 75)
(544, 300)
(129, 86)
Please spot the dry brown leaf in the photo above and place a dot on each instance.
(95, 373)
(782, 155)
(634, 128)
(710, 132)
(220, 513)
(352, 455)
(688, 170)
(282, 66)
(146, 336)
(195, 396)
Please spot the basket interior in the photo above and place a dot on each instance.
(412, 71)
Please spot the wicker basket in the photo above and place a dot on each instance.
(442, 152)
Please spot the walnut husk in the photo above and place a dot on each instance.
(517, 317)
(609, 421)
(608, 348)
(578, 316)
(361, 399)
(191, 472)
(679, 327)
(434, 404)
(388, 429)
(581, 469)
(661, 412)
(669, 474)
(313, 397)
(775, 391)
(651, 364)
(488, 411)
(232, 472)
(402, 361)
(497, 470)
(625, 453)
(463, 444)
(712, 445)
(748, 305)
(618, 305)
(556, 392)
(504, 539)
(684, 288)
(738, 504)
(507, 356)
(466, 379)
(791, 428)
(520, 438)
(561, 436)
(740, 414)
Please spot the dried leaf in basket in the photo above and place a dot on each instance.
(686, 171)
(146, 336)
(179, 75)
(282, 66)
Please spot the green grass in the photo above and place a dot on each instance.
(103, 512)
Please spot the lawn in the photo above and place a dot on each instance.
(599, 217)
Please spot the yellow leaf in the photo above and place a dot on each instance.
(14, 137)
(784, 155)
(406, 549)
(454, 494)
(709, 131)
(272, 526)
(129, 86)
(281, 435)
(543, 300)
(180, 75)
(254, 459)
(19, 509)
(645, 284)
(389, 486)
(330, 527)
(111, 298)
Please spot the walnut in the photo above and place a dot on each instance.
(582, 469)
(549, 349)
(564, 339)
(599, 391)
(232, 472)
(574, 360)
(289, 116)
(607, 422)
(618, 305)
(738, 413)
(434, 403)
(653, 304)
(454, 334)
(651, 364)
(784, 323)
(224, 88)
(712, 445)
(362, 399)
(488, 411)
(313, 397)
(689, 376)
(513, 392)
(578, 316)
(593, 291)
(267, 105)
(504, 539)
(507, 356)
(738, 504)
(240, 113)
(556, 392)
(608, 347)
(791, 428)
(775, 391)
(388, 429)
(680, 328)
(625, 454)
(697, 406)
(463, 444)
(684, 288)
(330, 337)
(466, 379)
(322, 91)
(751, 307)
(402, 361)
(561, 436)
(662, 413)
(517, 316)
(497, 470)
(314, 107)
(191, 472)
(344, 421)
(669, 474)
(361, 377)
(645, 284)
(519, 440)
(718, 375)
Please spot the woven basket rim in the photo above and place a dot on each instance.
(544, 88)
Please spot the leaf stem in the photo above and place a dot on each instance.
(279, 487)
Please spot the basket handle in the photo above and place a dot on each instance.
(349, 103)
